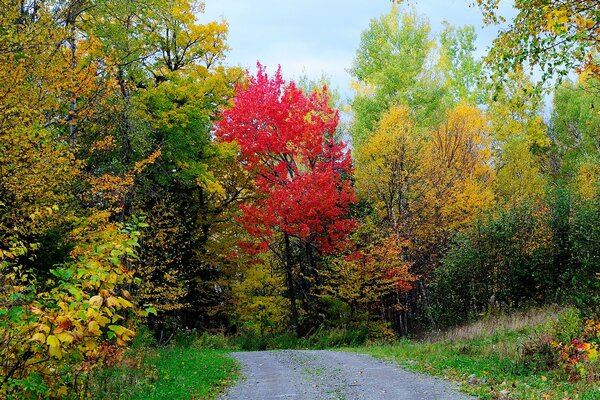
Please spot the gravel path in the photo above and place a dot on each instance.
(329, 375)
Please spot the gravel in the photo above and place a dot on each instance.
(325, 375)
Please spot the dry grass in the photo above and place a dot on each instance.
(495, 323)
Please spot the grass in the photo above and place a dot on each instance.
(189, 373)
(485, 358)
(172, 373)
(320, 339)
(499, 357)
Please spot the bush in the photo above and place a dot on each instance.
(567, 326)
(55, 333)
(539, 353)
(583, 278)
(213, 341)
(569, 343)
(501, 263)
(251, 342)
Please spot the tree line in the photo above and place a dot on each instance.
(144, 181)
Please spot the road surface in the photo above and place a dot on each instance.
(331, 375)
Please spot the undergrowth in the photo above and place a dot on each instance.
(179, 371)
(521, 356)
(320, 339)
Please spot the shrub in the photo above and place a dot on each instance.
(538, 353)
(568, 343)
(54, 334)
(502, 262)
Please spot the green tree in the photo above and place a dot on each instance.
(575, 127)
(462, 72)
(390, 68)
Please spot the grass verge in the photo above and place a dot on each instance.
(488, 361)
(172, 373)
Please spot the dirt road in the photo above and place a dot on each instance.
(329, 375)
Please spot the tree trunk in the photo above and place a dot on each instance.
(73, 105)
(126, 94)
(290, 282)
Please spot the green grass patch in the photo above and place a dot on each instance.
(172, 373)
(489, 365)
(185, 373)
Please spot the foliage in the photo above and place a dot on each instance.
(123, 114)
(92, 117)
(558, 36)
(389, 67)
(462, 72)
(489, 365)
(365, 278)
(575, 123)
(585, 266)
(568, 343)
(57, 335)
(286, 140)
(457, 171)
(387, 168)
(175, 372)
(520, 139)
(172, 81)
(503, 261)
(257, 300)
(297, 164)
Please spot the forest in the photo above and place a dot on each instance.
(144, 182)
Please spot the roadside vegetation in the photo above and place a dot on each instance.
(180, 370)
(539, 354)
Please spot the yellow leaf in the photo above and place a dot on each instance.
(125, 303)
(65, 337)
(96, 301)
(91, 344)
(93, 328)
(118, 329)
(55, 352)
(39, 337)
(112, 301)
(53, 341)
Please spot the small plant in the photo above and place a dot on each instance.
(579, 358)
(539, 353)
(213, 341)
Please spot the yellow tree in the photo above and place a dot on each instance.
(519, 133)
(373, 280)
(257, 298)
(456, 171)
(63, 267)
(387, 168)
(425, 186)
(35, 168)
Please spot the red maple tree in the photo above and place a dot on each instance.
(286, 138)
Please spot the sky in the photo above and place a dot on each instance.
(312, 37)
